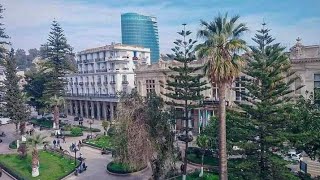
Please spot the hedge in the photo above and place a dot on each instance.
(120, 168)
(13, 144)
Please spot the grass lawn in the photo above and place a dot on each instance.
(195, 176)
(208, 160)
(52, 166)
(101, 141)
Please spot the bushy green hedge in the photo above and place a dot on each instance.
(83, 128)
(76, 131)
(43, 122)
(13, 144)
(120, 168)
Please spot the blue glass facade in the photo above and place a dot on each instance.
(137, 29)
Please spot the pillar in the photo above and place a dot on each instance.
(76, 108)
(104, 110)
(81, 108)
(71, 107)
(98, 110)
(92, 109)
(111, 111)
(86, 108)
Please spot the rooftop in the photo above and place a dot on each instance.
(115, 46)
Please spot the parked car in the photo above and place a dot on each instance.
(78, 118)
(62, 115)
(293, 155)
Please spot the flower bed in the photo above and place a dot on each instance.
(52, 166)
(100, 142)
(122, 169)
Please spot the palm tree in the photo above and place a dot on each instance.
(203, 142)
(34, 141)
(221, 46)
(55, 102)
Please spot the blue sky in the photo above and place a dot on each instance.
(90, 23)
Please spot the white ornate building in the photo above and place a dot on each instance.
(305, 61)
(103, 72)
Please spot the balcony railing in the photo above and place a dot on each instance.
(125, 82)
(70, 83)
(86, 83)
(79, 62)
(91, 71)
(81, 83)
(102, 70)
(99, 83)
(105, 83)
(112, 82)
(85, 61)
(75, 83)
(92, 83)
(94, 95)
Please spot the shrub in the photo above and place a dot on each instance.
(76, 131)
(120, 168)
(13, 144)
(111, 131)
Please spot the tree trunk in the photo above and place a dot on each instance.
(35, 163)
(223, 171)
(201, 172)
(184, 176)
(56, 117)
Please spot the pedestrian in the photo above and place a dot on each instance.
(61, 148)
(80, 142)
(54, 143)
(63, 139)
(58, 142)
(0, 171)
(80, 157)
(182, 167)
(79, 146)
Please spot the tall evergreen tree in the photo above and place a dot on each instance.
(3, 36)
(56, 54)
(184, 86)
(16, 109)
(265, 107)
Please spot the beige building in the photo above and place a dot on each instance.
(305, 62)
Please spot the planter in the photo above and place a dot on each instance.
(123, 172)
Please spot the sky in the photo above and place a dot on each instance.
(93, 23)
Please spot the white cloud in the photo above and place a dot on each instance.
(87, 24)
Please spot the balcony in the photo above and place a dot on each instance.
(79, 62)
(75, 83)
(81, 83)
(85, 71)
(125, 82)
(87, 83)
(105, 83)
(91, 71)
(70, 83)
(92, 83)
(102, 70)
(85, 61)
(94, 95)
(99, 83)
(100, 59)
(112, 82)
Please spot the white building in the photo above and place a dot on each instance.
(103, 73)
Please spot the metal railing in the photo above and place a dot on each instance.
(94, 95)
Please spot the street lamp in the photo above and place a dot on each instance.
(75, 150)
(90, 122)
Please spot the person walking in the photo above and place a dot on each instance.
(54, 143)
(63, 139)
(58, 142)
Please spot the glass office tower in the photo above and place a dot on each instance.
(141, 30)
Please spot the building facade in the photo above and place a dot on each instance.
(142, 31)
(305, 62)
(103, 72)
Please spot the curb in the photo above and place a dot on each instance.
(128, 174)
(12, 177)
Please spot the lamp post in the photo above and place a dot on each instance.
(90, 122)
(75, 149)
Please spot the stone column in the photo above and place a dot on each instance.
(76, 109)
(104, 110)
(98, 110)
(92, 109)
(81, 108)
(111, 111)
(71, 107)
(86, 108)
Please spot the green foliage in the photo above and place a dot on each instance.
(13, 144)
(42, 122)
(264, 114)
(101, 142)
(120, 168)
(111, 131)
(76, 131)
(15, 107)
(3, 36)
(105, 124)
(52, 166)
(195, 176)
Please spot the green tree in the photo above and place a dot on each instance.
(265, 109)
(56, 102)
(203, 142)
(184, 86)
(162, 138)
(21, 59)
(16, 109)
(222, 43)
(56, 65)
(3, 36)
(34, 142)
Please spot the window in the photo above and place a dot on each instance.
(124, 78)
(87, 79)
(239, 89)
(215, 96)
(107, 92)
(150, 86)
(106, 79)
(114, 90)
(112, 78)
(87, 90)
(317, 81)
(112, 66)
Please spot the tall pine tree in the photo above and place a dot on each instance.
(16, 108)
(57, 51)
(184, 85)
(3, 36)
(264, 110)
